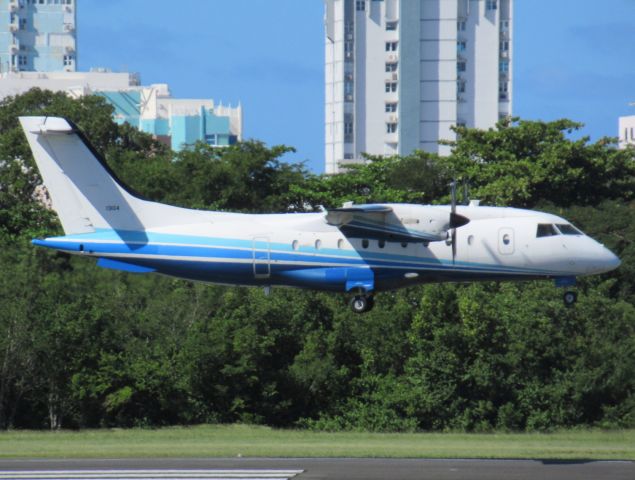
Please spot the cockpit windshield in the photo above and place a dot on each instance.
(546, 230)
(568, 229)
(550, 230)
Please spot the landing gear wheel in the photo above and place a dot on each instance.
(570, 298)
(362, 303)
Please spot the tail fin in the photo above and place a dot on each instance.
(85, 193)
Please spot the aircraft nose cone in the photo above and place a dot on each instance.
(606, 261)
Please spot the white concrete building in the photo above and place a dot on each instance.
(401, 73)
(626, 131)
(74, 83)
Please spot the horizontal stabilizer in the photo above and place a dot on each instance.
(123, 266)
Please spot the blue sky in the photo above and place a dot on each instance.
(572, 58)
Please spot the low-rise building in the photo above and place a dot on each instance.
(626, 132)
(152, 109)
(174, 121)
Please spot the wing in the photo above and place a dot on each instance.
(378, 222)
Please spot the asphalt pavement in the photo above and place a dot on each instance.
(315, 468)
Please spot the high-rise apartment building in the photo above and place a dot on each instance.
(37, 36)
(401, 73)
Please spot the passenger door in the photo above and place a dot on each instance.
(261, 257)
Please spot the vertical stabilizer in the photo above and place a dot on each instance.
(85, 194)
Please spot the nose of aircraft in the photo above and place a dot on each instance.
(604, 261)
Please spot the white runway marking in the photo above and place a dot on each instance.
(251, 474)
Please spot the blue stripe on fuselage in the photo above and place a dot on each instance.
(224, 255)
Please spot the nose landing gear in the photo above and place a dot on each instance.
(362, 303)
(570, 298)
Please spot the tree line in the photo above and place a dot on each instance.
(85, 347)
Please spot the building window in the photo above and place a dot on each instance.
(391, 127)
(391, 46)
(361, 5)
(504, 66)
(461, 46)
(461, 66)
(461, 26)
(211, 139)
(391, 107)
(348, 156)
(491, 5)
(505, 46)
(391, 67)
(391, 26)
(68, 60)
(22, 60)
(505, 25)
(503, 90)
(348, 50)
(23, 24)
(460, 87)
(391, 87)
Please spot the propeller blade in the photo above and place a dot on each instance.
(453, 195)
(453, 245)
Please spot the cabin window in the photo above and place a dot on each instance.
(381, 243)
(546, 230)
(340, 243)
(568, 229)
(295, 245)
(404, 244)
(365, 243)
(318, 244)
(470, 240)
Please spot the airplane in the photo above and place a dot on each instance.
(357, 249)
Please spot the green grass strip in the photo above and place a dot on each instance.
(251, 441)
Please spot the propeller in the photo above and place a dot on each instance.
(456, 220)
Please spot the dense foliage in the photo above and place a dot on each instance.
(84, 347)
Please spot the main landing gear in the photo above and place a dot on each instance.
(362, 303)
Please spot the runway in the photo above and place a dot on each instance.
(313, 468)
